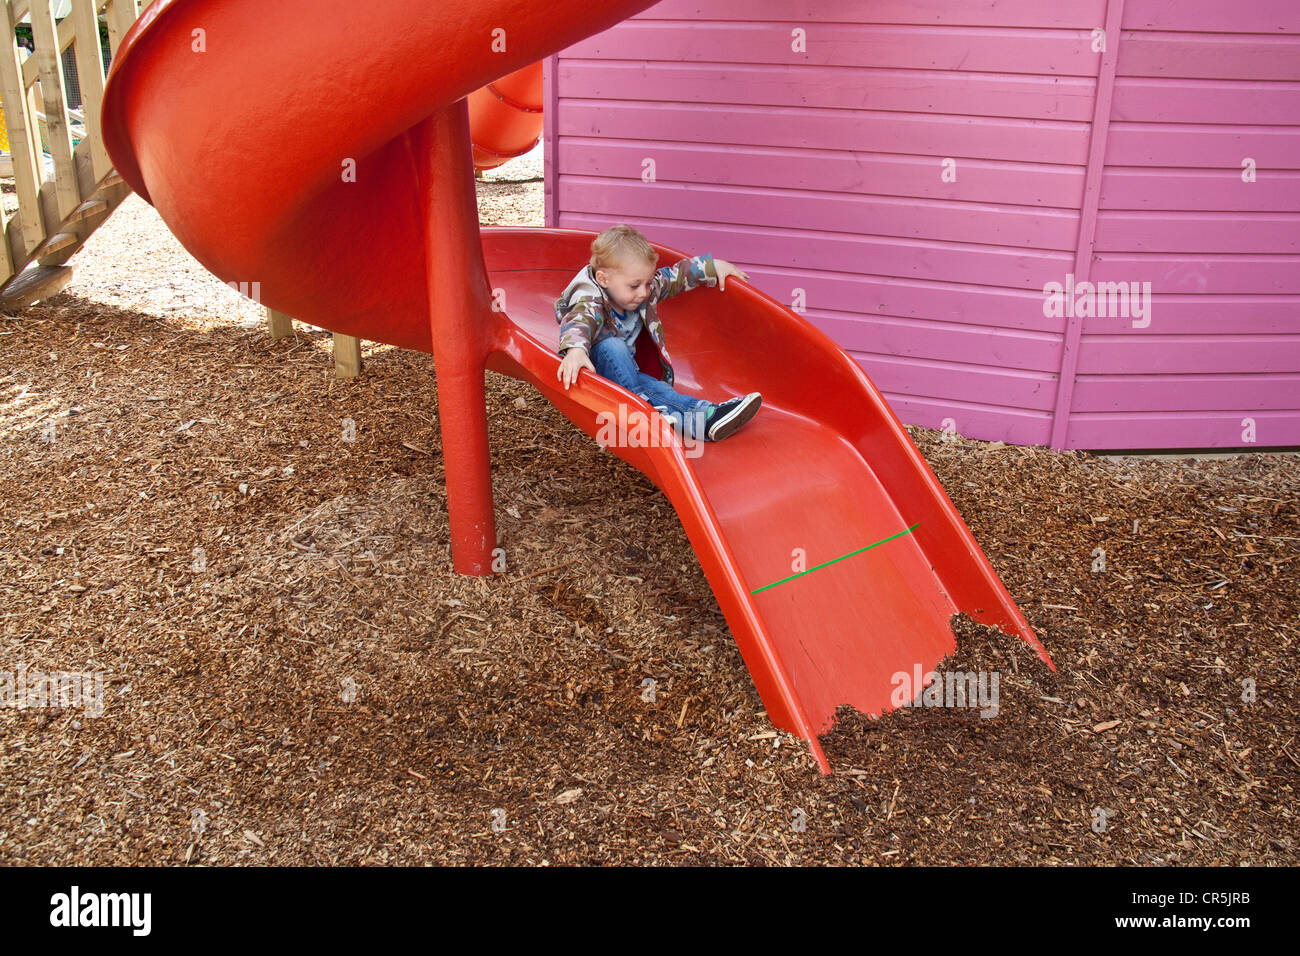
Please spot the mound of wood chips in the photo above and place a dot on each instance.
(255, 557)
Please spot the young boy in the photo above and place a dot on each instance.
(611, 301)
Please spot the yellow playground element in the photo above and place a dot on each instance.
(77, 135)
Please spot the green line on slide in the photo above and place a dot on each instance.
(834, 560)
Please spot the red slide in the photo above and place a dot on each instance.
(505, 117)
(322, 149)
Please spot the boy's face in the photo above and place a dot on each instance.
(628, 284)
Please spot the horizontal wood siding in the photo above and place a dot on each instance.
(1201, 87)
(821, 171)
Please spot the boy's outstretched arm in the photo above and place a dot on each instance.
(694, 272)
(684, 275)
(725, 269)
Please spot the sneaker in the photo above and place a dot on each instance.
(731, 415)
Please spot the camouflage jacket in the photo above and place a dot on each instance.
(586, 314)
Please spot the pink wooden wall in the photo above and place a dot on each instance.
(822, 170)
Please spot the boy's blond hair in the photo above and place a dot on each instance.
(618, 245)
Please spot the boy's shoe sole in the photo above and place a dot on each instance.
(733, 414)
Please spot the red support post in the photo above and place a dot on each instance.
(461, 320)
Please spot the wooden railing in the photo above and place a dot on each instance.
(60, 203)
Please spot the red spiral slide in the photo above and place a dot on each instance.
(505, 117)
(322, 148)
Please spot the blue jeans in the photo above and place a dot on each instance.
(613, 360)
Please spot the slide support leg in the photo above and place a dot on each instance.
(461, 320)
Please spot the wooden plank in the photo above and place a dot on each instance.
(827, 212)
(120, 14)
(22, 137)
(911, 259)
(960, 382)
(279, 324)
(894, 46)
(1182, 429)
(1171, 146)
(6, 254)
(56, 242)
(1092, 200)
(1020, 14)
(90, 75)
(1203, 313)
(973, 419)
(36, 110)
(67, 33)
(1206, 102)
(1199, 392)
(922, 340)
(904, 91)
(1025, 183)
(550, 138)
(34, 285)
(1197, 190)
(58, 131)
(347, 356)
(92, 207)
(76, 228)
(1205, 232)
(1140, 354)
(1211, 57)
(1213, 16)
(1209, 273)
(85, 227)
(748, 130)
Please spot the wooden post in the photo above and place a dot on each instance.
(90, 74)
(279, 324)
(45, 32)
(57, 213)
(347, 356)
(24, 139)
(120, 15)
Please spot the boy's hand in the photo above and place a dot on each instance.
(725, 269)
(574, 360)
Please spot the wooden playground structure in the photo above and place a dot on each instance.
(65, 183)
(60, 203)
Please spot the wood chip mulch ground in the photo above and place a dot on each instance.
(255, 556)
